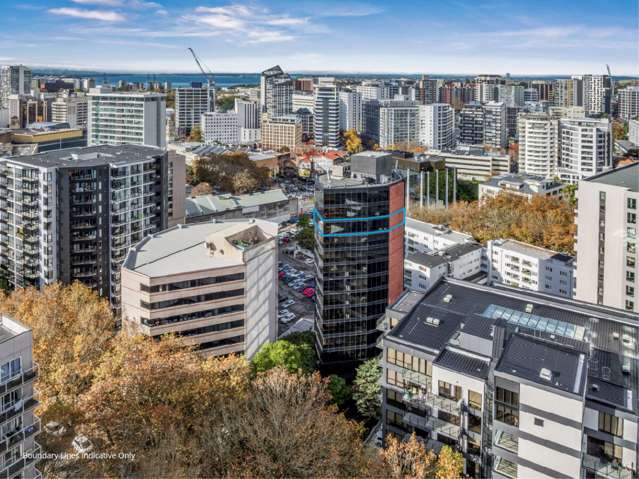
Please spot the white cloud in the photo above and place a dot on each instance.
(107, 3)
(102, 15)
(223, 22)
(268, 36)
(134, 4)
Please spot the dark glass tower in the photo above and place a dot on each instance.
(359, 249)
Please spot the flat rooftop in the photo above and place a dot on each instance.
(533, 251)
(437, 230)
(624, 177)
(209, 204)
(88, 156)
(183, 249)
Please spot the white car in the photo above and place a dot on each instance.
(55, 428)
(288, 302)
(82, 444)
(287, 319)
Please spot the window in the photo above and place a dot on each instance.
(539, 422)
(408, 361)
(507, 406)
(632, 218)
(632, 203)
(394, 378)
(449, 391)
(10, 369)
(610, 424)
(630, 290)
(474, 400)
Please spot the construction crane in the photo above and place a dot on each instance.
(209, 79)
(612, 87)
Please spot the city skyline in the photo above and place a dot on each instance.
(355, 37)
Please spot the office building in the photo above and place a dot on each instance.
(398, 124)
(538, 144)
(474, 163)
(303, 100)
(126, 118)
(426, 91)
(521, 184)
(350, 111)
(495, 128)
(629, 103)
(19, 423)
(281, 132)
(190, 104)
(359, 249)
(523, 384)
(326, 114)
(304, 85)
(276, 92)
(14, 80)
(370, 120)
(72, 215)
(511, 95)
(213, 284)
(370, 91)
(633, 131)
(585, 147)
(531, 95)
(220, 128)
(70, 109)
(529, 267)
(471, 124)
(248, 114)
(597, 93)
(436, 126)
(563, 93)
(606, 239)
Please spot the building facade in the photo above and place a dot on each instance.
(521, 184)
(495, 128)
(538, 144)
(629, 103)
(190, 104)
(281, 132)
(350, 111)
(597, 93)
(222, 128)
(398, 124)
(326, 126)
(213, 284)
(437, 126)
(73, 110)
(471, 124)
(276, 92)
(585, 147)
(14, 80)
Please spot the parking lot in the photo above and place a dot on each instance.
(298, 275)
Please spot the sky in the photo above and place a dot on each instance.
(521, 37)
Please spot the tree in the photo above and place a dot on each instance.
(195, 134)
(339, 389)
(225, 103)
(619, 130)
(201, 189)
(293, 353)
(305, 236)
(450, 464)
(244, 182)
(232, 172)
(408, 459)
(366, 388)
(353, 142)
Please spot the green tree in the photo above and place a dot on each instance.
(450, 464)
(305, 236)
(225, 103)
(366, 388)
(294, 353)
(195, 134)
(339, 389)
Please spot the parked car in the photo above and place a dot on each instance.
(287, 319)
(82, 444)
(288, 302)
(55, 428)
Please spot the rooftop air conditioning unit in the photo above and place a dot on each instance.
(448, 298)
(529, 308)
(545, 374)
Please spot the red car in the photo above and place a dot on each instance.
(281, 275)
(309, 292)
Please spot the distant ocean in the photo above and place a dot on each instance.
(234, 79)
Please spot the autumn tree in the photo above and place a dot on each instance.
(366, 388)
(234, 173)
(201, 189)
(408, 459)
(450, 464)
(195, 134)
(352, 141)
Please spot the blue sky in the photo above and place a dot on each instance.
(436, 36)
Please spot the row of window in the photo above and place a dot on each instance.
(200, 298)
(193, 283)
(409, 361)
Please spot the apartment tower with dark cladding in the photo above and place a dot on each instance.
(359, 249)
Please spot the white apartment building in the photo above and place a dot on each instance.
(126, 118)
(585, 147)
(495, 128)
(303, 100)
(248, 114)
(437, 126)
(398, 124)
(214, 284)
(222, 128)
(326, 125)
(633, 131)
(538, 144)
(529, 267)
(14, 80)
(473, 163)
(73, 110)
(596, 93)
(425, 237)
(606, 239)
(521, 184)
(370, 91)
(350, 111)
(629, 103)
(190, 103)
(511, 95)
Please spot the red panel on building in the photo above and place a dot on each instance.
(396, 242)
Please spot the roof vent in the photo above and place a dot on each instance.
(529, 308)
(545, 374)
(594, 387)
(448, 298)
(615, 335)
(432, 321)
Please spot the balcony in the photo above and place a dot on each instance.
(28, 457)
(605, 468)
(19, 379)
(505, 468)
(11, 438)
(507, 441)
(19, 407)
(429, 399)
(431, 423)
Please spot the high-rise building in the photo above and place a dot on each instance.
(398, 124)
(511, 95)
(350, 111)
(276, 92)
(304, 85)
(437, 126)
(633, 131)
(495, 128)
(223, 128)
(190, 103)
(471, 124)
(522, 383)
(531, 94)
(538, 144)
(426, 90)
(213, 284)
(544, 89)
(563, 93)
(72, 215)
(303, 100)
(370, 90)
(281, 132)
(359, 249)
(20, 425)
(326, 113)
(70, 109)
(370, 119)
(606, 238)
(248, 113)
(597, 93)
(126, 118)
(14, 80)
(585, 147)
(629, 103)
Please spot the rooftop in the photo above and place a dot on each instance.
(464, 363)
(89, 156)
(438, 230)
(522, 182)
(533, 251)
(208, 204)
(624, 177)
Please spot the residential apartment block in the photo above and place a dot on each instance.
(326, 112)
(436, 126)
(521, 184)
(280, 132)
(190, 104)
(276, 92)
(350, 111)
(629, 103)
(585, 148)
(70, 109)
(427, 237)
(214, 284)
(538, 144)
(222, 128)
